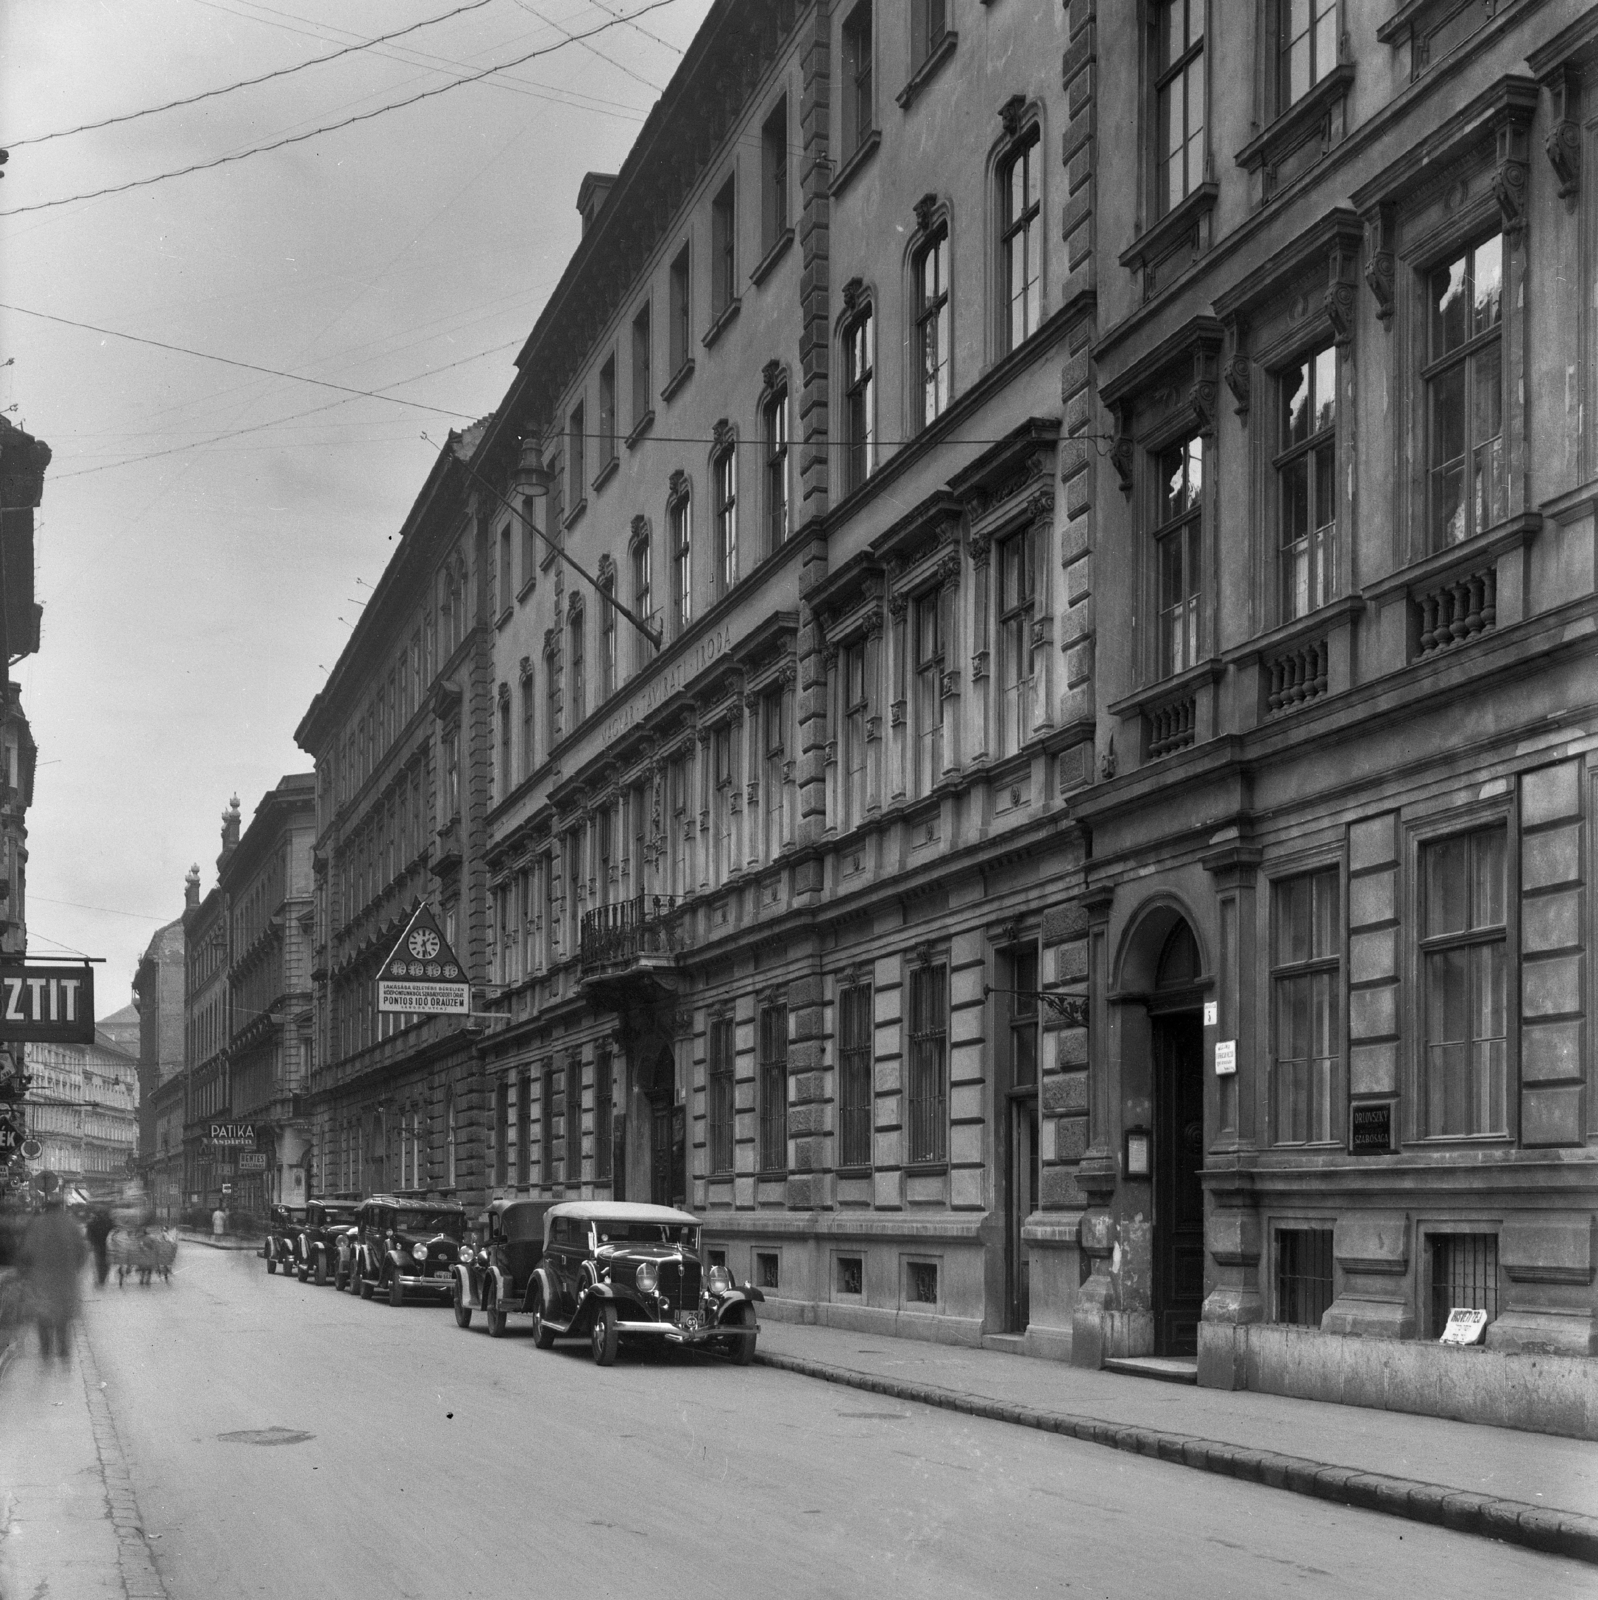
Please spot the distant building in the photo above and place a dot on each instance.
(121, 1029)
(158, 999)
(207, 1026)
(82, 1108)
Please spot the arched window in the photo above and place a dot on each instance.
(643, 591)
(681, 525)
(859, 398)
(726, 480)
(774, 440)
(1021, 238)
(577, 690)
(933, 344)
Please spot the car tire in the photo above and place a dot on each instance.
(338, 1276)
(320, 1276)
(463, 1311)
(396, 1290)
(303, 1272)
(364, 1287)
(603, 1338)
(271, 1264)
(543, 1334)
(743, 1350)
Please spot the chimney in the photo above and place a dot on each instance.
(230, 832)
(591, 194)
(191, 888)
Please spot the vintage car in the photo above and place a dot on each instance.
(283, 1224)
(316, 1247)
(614, 1270)
(408, 1242)
(496, 1278)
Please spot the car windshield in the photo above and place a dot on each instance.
(338, 1215)
(681, 1235)
(450, 1222)
(521, 1224)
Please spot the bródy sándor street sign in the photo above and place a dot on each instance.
(421, 973)
(43, 1002)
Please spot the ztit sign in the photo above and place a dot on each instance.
(46, 1004)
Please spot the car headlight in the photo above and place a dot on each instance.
(718, 1280)
(647, 1276)
(466, 1252)
(419, 1251)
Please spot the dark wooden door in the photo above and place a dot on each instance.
(660, 1156)
(1021, 1186)
(1178, 1192)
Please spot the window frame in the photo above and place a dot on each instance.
(857, 110)
(1280, 973)
(1279, 44)
(856, 1078)
(721, 1096)
(858, 370)
(772, 1089)
(607, 411)
(680, 528)
(927, 1067)
(1161, 78)
(724, 249)
(642, 367)
(929, 669)
(1324, 581)
(775, 453)
(1023, 231)
(576, 662)
(679, 303)
(1014, 636)
(724, 482)
(933, 342)
(1191, 526)
(641, 561)
(774, 200)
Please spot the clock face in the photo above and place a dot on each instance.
(423, 944)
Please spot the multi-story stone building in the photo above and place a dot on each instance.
(267, 886)
(209, 1169)
(82, 1107)
(1338, 909)
(400, 739)
(158, 996)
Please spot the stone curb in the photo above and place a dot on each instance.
(1559, 1533)
(212, 1243)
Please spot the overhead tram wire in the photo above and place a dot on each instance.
(334, 127)
(245, 83)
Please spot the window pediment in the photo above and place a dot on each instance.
(1011, 482)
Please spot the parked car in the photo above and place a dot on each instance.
(408, 1242)
(283, 1224)
(316, 1247)
(496, 1277)
(614, 1270)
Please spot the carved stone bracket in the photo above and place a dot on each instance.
(1510, 177)
(1010, 115)
(721, 435)
(898, 606)
(1238, 370)
(853, 292)
(1122, 449)
(981, 547)
(677, 485)
(1380, 259)
(526, 668)
(1341, 265)
(925, 209)
(640, 529)
(1563, 142)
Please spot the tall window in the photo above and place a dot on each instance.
(854, 1075)
(929, 658)
(546, 1126)
(643, 599)
(1179, 101)
(681, 327)
(557, 496)
(1306, 483)
(721, 1094)
(607, 412)
(449, 1142)
(1304, 980)
(607, 642)
(724, 779)
(506, 770)
(452, 774)
(723, 249)
(1464, 984)
(929, 1064)
(1306, 43)
(1017, 599)
(928, 24)
(577, 454)
(551, 700)
(932, 326)
(776, 708)
(643, 391)
(1178, 542)
(524, 1128)
(574, 1121)
(856, 714)
(576, 679)
(603, 1091)
(774, 434)
(1021, 241)
(682, 561)
(1464, 389)
(1023, 1025)
(501, 1131)
(859, 111)
(529, 724)
(677, 824)
(774, 177)
(507, 569)
(726, 472)
(859, 410)
(773, 1088)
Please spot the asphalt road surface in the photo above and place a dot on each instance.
(292, 1441)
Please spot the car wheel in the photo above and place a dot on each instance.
(743, 1350)
(543, 1334)
(304, 1272)
(365, 1286)
(320, 1276)
(463, 1312)
(271, 1263)
(495, 1317)
(396, 1290)
(604, 1339)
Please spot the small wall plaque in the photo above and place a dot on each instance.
(1370, 1129)
(1225, 1057)
(1137, 1160)
(1466, 1325)
(1212, 1013)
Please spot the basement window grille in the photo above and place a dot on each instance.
(851, 1275)
(921, 1282)
(1303, 1275)
(766, 1263)
(1464, 1273)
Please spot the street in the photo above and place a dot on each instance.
(293, 1441)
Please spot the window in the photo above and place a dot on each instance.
(643, 599)
(505, 768)
(1178, 543)
(726, 472)
(928, 25)
(721, 1094)
(774, 177)
(1304, 983)
(557, 496)
(851, 1276)
(1306, 35)
(773, 1089)
(856, 713)
(1303, 1275)
(680, 329)
(643, 392)
(1179, 101)
(607, 412)
(775, 437)
(576, 684)
(529, 724)
(929, 626)
(607, 641)
(551, 700)
(524, 1129)
(1023, 1027)
(859, 411)
(1017, 598)
(854, 1073)
(1467, 490)
(501, 1131)
(724, 780)
(723, 250)
(1463, 1271)
(603, 1090)
(1306, 483)
(859, 112)
(929, 1064)
(682, 562)
(921, 1282)
(932, 326)
(574, 1121)
(576, 455)
(766, 1269)
(546, 1127)
(678, 824)
(507, 572)
(452, 777)
(1021, 241)
(1464, 985)
(777, 709)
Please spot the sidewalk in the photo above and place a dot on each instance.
(1524, 1488)
(228, 1241)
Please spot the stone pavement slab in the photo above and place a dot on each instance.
(1532, 1489)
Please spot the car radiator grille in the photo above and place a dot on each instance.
(680, 1284)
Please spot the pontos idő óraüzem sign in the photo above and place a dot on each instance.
(46, 1003)
(421, 973)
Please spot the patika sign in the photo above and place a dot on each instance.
(41, 1003)
(422, 973)
(232, 1135)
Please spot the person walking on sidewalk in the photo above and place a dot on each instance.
(98, 1230)
(53, 1253)
(218, 1223)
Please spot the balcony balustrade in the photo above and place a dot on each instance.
(621, 934)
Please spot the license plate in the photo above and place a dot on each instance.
(688, 1320)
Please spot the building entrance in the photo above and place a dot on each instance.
(1178, 1192)
(669, 1155)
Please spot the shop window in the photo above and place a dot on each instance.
(1303, 1275)
(851, 1276)
(1305, 972)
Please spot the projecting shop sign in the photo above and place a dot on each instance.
(42, 1004)
(421, 973)
(233, 1135)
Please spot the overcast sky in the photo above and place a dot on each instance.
(204, 544)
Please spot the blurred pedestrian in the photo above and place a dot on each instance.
(53, 1253)
(98, 1230)
(218, 1222)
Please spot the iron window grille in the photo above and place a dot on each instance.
(1306, 484)
(929, 1064)
(1303, 1275)
(921, 1282)
(854, 1069)
(1305, 973)
(773, 1094)
(1463, 1272)
(722, 1092)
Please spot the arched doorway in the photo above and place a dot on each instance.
(657, 1164)
(1176, 1040)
